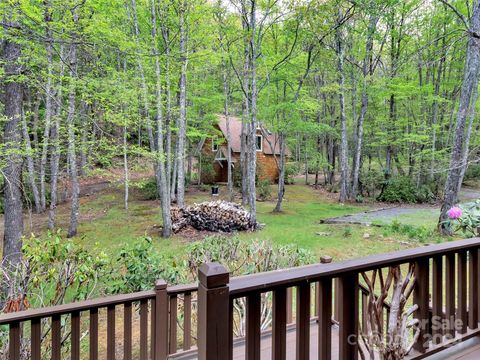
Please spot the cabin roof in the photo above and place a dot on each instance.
(235, 125)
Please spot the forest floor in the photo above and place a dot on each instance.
(104, 223)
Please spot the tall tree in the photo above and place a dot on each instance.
(469, 88)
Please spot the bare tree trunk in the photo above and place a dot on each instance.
(168, 140)
(72, 154)
(31, 166)
(281, 175)
(226, 94)
(252, 130)
(245, 109)
(55, 149)
(468, 136)
(83, 138)
(48, 103)
(470, 82)
(12, 135)
(343, 117)
(162, 175)
(366, 70)
(182, 120)
(125, 168)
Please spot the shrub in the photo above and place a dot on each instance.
(147, 188)
(473, 172)
(291, 170)
(404, 190)
(264, 189)
(465, 219)
(138, 266)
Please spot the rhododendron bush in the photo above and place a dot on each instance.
(466, 219)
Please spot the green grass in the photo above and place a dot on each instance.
(111, 226)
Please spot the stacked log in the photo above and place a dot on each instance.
(214, 216)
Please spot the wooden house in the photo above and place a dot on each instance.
(214, 149)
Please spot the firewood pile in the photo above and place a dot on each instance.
(214, 216)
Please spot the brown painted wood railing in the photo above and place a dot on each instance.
(185, 319)
(456, 261)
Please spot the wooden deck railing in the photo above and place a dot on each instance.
(178, 320)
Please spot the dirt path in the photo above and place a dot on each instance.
(410, 214)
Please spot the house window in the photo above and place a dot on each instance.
(214, 144)
(259, 142)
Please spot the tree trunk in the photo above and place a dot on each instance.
(31, 166)
(366, 71)
(470, 82)
(72, 154)
(55, 149)
(125, 168)
(162, 175)
(468, 136)
(48, 103)
(12, 136)
(281, 175)
(343, 117)
(252, 130)
(182, 119)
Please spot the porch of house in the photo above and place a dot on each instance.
(313, 313)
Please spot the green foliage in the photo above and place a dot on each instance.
(472, 173)
(138, 266)
(347, 232)
(418, 233)
(57, 270)
(291, 170)
(264, 189)
(245, 257)
(147, 188)
(207, 168)
(469, 223)
(404, 190)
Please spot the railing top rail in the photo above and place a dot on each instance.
(285, 277)
(75, 307)
(182, 289)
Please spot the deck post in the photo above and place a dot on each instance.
(161, 321)
(213, 313)
(347, 300)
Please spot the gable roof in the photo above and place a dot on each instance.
(271, 143)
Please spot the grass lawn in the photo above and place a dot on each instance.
(104, 221)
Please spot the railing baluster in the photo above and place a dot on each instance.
(36, 341)
(324, 306)
(279, 325)
(303, 321)
(450, 295)
(347, 300)
(437, 299)
(111, 332)
(289, 305)
(421, 299)
(473, 290)
(253, 327)
(187, 321)
(127, 331)
(173, 324)
(56, 338)
(143, 329)
(94, 334)
(75, 336)
(14, 341)
(153, 315)
(462, 315)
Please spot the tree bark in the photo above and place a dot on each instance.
(31, 166)
(182, 119)
(343, 117)
(162, 175)
(12, 136)
(49, 94)
(72, 154)
(470, 83)
(55, 148)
